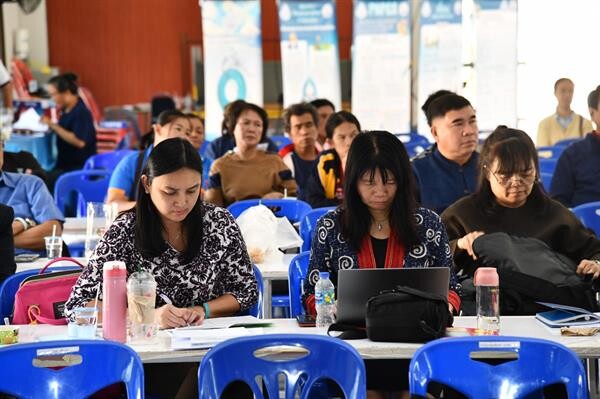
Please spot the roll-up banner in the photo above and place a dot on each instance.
(309, 51)
(233, 57)
(381, 65)
(440, 51)
(495, 63)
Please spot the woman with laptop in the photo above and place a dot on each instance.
(379, 225)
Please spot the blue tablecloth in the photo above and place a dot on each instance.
(41, 145)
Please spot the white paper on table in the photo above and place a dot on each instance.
(30, 120)
(207, 338)
(222, 322)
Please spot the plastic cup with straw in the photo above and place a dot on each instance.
(53, 245)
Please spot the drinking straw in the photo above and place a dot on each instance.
(284, 192)
(53, 233)
(6, 321)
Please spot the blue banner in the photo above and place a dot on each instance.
(309, 51)
(381, 64)
(232, 57)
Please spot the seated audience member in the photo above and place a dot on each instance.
(123, 181)
(194, 250)
(23, 162)
(565, 123)
(300, 123)
(326, 184)
(324, 110)
(75, 132)
(33, 206)
(219, 146)
(448, 170)
(378, 226)
(576, 179)
(510, 199)
(7, 247)
(247, 172)
(196, 133)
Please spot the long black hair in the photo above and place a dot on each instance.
(164, 118)
(515, 152)
(168, 156)
(369, 152)
(336, 119)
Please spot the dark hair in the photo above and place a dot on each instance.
(322, 102)
(336, 119)
(369, 152)
(191, 115)
(515, 152)
(234, 114)
(164, 118)
(434, 96)
(67, 82)
(559, 81)
(227, 111)
(299, 109)
(444, 103)
(594, 99)
(169, 156)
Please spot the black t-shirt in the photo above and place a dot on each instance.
(302, 171)
(79, 121)
(379, 250)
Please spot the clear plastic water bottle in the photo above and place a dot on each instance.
(488, 300)
(325, 301)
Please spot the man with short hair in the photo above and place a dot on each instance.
(324, 109)
(300, 123)
(34, 208)
(576, 179)
(448, 170)
(564, 123)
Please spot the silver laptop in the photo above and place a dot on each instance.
(356, 286)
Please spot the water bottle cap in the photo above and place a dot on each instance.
(323, 275)
(486, 276)
(114, 265)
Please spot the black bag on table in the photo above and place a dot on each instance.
(402, 315)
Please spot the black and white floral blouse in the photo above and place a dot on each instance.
(222, 265)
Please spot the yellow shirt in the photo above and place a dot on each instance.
(550, 131)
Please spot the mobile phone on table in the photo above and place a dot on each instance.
(306, 320)
(26, 257)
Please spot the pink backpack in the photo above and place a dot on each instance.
(41, 298)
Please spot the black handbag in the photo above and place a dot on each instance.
(401, 315)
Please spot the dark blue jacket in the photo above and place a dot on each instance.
(442, 182)
(576, 178)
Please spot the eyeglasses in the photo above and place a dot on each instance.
(505, 181)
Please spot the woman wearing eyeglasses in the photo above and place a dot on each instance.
(510, 199)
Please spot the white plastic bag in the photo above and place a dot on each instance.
(265, 234)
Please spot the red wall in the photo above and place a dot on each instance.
(127, 50)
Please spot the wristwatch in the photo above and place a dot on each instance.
(30, 223)
(23, 222)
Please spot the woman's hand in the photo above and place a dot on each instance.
(466, 242)
(273, 195)
(169, 316)
(587, 266)
(45, 120)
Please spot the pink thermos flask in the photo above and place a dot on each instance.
(114, 302)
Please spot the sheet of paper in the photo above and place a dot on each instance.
(198, 339)
(222, 322)
(30, 120)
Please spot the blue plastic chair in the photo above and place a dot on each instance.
(308, 223)
(293, 209)
(296, 275)
(550, 152)
(327, 358)
(280, 140)
(106, 161)
(589, 214)
(97, 364)
(11, 284)
(566, 142)
(548, 165)
(546, 180)
(90, 185)
(533, 365)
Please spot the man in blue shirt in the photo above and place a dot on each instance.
(35, 211)
(576, 179)
(448, 170)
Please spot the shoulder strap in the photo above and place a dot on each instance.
(348, 331)
(138, 171)
(63, 259)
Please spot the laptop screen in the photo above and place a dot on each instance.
(356, 286)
